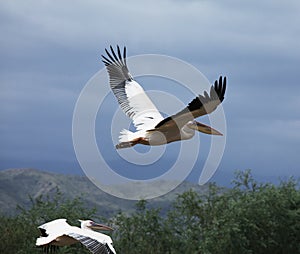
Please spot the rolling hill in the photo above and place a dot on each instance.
(17, 185)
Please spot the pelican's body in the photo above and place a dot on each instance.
(151, 127)
(60, 233)
(157, 136)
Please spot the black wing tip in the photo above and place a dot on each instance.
(220, 87)
(113, 58)
(106, 61)
(43, 232)
(48, 248)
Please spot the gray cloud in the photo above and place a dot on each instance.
(50, 49)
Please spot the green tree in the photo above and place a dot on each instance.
(249, 218)
(140, 232)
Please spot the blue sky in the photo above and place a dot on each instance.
(50, 49)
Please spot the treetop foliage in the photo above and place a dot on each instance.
(249, 218)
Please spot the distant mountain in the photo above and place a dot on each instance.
(17, 185)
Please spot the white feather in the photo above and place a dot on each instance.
(146, 116)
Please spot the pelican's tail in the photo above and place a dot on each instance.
(40, 241)
(43, 241)
(128, 138)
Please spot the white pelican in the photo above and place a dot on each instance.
(151, 128)
(60, 233)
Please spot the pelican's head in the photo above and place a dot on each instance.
(89, 224)
(203, 128)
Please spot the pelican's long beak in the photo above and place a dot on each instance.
(205, 129)
(101, 227)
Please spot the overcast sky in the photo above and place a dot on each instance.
(50, 49)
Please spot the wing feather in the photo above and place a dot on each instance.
(131, 96)
(201, 105)
(92, 245)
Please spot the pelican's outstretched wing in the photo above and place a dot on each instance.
(201, 105)
(50, 231)
(130, 95)
(94, 246)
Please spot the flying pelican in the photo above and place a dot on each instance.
(151, 128)
(60, 233)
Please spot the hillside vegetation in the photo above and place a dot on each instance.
(17, 185)
(249, 218)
